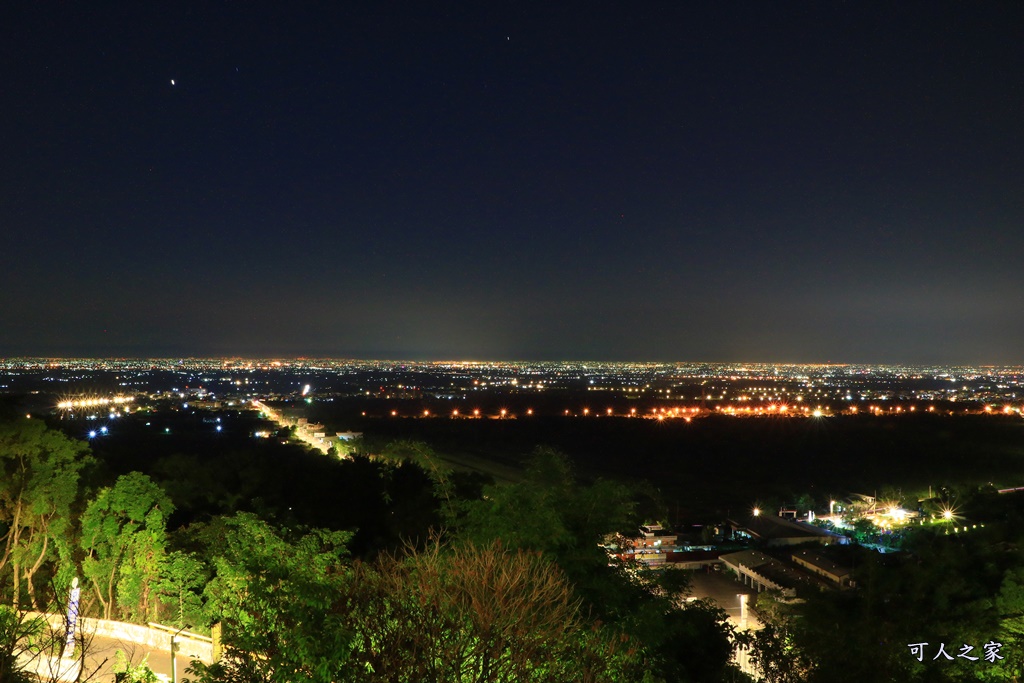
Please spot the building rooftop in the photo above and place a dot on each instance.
(822, 562)
(769, 567)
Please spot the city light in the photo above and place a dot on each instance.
(94, 402)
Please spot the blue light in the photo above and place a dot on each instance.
(92, 434)
(103, 429)
(218, 428)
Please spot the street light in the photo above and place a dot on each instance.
(174, 663)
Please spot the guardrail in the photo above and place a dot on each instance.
(155, 636)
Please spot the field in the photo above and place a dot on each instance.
(719, 463)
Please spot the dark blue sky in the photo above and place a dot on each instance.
(818, 181)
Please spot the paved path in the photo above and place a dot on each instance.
(300, 433)
(102, 652)
(725, 592)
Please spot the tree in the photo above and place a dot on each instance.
(34, 646)
(424, 456)
(296, 610)
(124, 538)
(1010, 608)
(39, 472)
(549, 512)
(182, 578)
(278, 601)
(127, 672)
(481, 615)
(14, 630)
(805, 503)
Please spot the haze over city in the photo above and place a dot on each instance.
(512, 342)
(744, 183)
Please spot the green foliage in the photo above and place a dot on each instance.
(124, 539)
(349, 447)
(827, 525)
(480, 614)
(296, 611)
(863, 530)
(549, 512)
(277, 601)
(127, 672)
(180, 588)
(39, 473)
(805, 503)
(1010, 609)
(424, 456)
(941, 589)
(32, 648)
(14, 629)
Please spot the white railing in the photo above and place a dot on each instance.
(154, 636)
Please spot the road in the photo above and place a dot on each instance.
(301, 434)
(725, 592)
(102, 657)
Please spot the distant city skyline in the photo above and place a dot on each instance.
(246, 363)
(824, 182)
(239, 357)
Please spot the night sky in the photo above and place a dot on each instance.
(782, 182)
